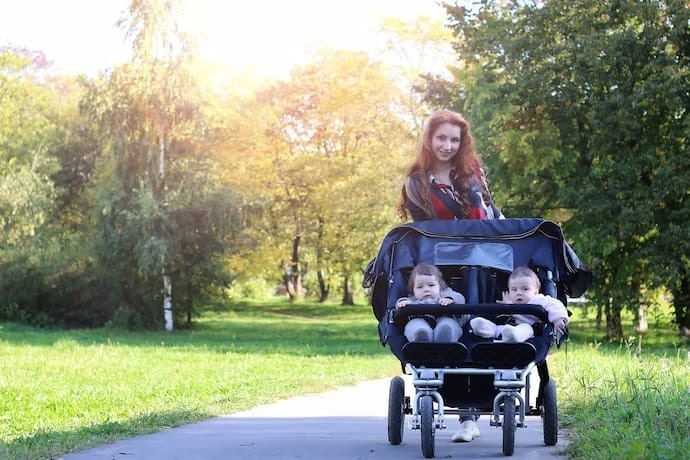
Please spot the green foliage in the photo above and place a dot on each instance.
(623, 399)
(255, 288)
(108, 186)
(26, 129)
(50, 284)
(580, 112)
(621, 406)
(45, 276)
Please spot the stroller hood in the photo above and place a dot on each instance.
(501, 244)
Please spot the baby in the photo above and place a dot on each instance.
(523, 287)
(426, 285)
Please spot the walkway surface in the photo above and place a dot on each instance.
(348, 423)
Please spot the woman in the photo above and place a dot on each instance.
(446, 182)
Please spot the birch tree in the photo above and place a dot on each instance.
(160, 212)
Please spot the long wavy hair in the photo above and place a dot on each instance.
(466, 163)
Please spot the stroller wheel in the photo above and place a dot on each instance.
(396, 411)
(549, 414)
(508, 426)
(428, 427)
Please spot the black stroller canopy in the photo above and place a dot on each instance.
(499, 244)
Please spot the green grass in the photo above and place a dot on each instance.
(62, 391)
(627, 399)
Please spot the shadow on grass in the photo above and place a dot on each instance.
(52, 444)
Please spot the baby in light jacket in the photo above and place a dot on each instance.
(523, 287)
(426, 285)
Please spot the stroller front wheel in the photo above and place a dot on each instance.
(427, 426)
(508, 426)
(549, 414)
(396, 411)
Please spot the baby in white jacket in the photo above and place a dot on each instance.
(523, 287)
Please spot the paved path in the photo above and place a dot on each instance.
(348, 423)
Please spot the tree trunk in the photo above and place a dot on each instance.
(324, 287)
(167, 282)
(600, 316)
(614, 327)
(190, 303)
(167, 301)
(641, 318)
(681, 304)
(640, 324)
(293, 277)
(348, 296)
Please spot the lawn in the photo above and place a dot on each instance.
(63, 391)
(627, 399)
(66, 390)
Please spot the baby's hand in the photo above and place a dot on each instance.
(445, 301)
(559, 325)
(402, 303)
(506, 298)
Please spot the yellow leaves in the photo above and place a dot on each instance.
(320, 151)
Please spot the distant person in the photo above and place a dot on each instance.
(523, 287)
(426, 285)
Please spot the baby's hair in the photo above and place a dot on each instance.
(425, 269)
(525, 272)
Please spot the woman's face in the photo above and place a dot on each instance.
(445, 142)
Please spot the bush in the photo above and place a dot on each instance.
(256, 288)
(43, 285)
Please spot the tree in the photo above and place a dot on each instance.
(29, 255)
(581, 110)
(329, 144)
(421, 51)
(159, 214)
(25, 131)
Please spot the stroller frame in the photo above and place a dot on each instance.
(509, 382)
(509, 376)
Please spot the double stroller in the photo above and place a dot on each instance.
(473, 376)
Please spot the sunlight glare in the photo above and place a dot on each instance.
(270, 37)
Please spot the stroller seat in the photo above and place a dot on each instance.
(483, 354)
(430, 354)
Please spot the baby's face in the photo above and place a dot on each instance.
(522, 289)
(426, 287)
